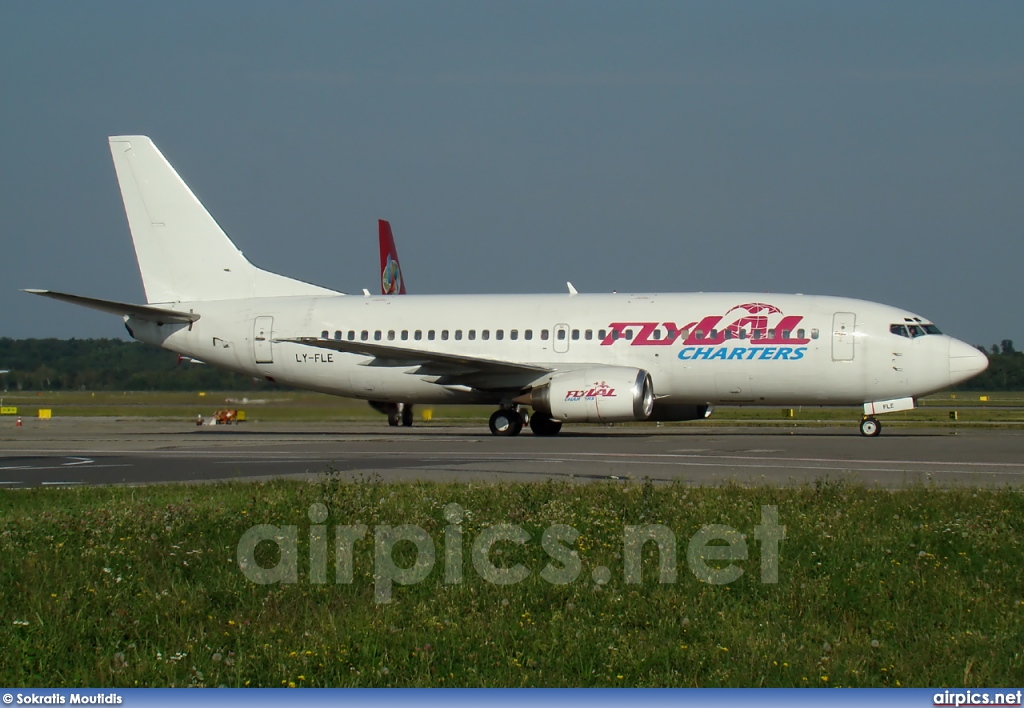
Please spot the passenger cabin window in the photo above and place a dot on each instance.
(699, 334)
(391, 335)
(499, 334)
(629, 334)
(615, 335)
(364, 335)
(771, 333)
(513, 334)
(575, 334)
(444, 335)
(458, 334)
(656, 334)
(417, 335)
(588, 335)
(405, 334)
(713, 334)
(560, 335)
(670, 333)
(800, 334)
(351, 335)
(743, 333)
(376, 335)
(728, 334)
(337, 335)
(544, 335)
(528, 334)
(323, 335)
(785, 334)
(430, 335)
(814, 333)
(472, 335)
(602, 334)
(485, 335)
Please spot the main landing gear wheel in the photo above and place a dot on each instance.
(870, 427)
(544, 426)
(505, 421)
(394, 419)
(407, 415)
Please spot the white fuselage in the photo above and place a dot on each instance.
(732, 348)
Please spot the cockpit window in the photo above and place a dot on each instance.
(913, 330)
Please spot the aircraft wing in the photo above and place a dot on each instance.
(451, 369)
(142, 312)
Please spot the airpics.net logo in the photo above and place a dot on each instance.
(716, 554)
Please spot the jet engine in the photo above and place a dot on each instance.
(601, 394)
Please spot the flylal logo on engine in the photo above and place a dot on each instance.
(598, 388)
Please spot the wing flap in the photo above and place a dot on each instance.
(454, 367)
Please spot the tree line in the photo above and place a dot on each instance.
(108, 365)
(119, 365)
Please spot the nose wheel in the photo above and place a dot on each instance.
(505, 421)
(870, 427)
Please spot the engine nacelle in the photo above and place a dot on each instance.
(602, 394)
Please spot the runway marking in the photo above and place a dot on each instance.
(80, 461)
(63, 484)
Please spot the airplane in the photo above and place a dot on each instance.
(572, 358)
(392, 282)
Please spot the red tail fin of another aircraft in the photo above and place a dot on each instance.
(391, 280)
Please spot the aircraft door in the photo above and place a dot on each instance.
(843, 324)
(561, 343)
(262, 340)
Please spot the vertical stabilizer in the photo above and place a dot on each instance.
(183, 254)
(391, 280)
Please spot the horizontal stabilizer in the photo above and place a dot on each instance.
(142, 312)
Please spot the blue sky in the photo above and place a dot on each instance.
(868, 149)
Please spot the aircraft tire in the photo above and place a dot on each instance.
(870, 427)
(505, 421)
(407, 415)
(544, 426)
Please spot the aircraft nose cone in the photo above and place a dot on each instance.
(965, 361)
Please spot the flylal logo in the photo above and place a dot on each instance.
(597, 389)
(391, 277)
(753, 330)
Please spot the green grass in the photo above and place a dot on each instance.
(1005, 409)
(125, 587)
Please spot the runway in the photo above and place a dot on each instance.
(86, 451)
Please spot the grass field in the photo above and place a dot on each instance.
(125, 587)
(1004, 409)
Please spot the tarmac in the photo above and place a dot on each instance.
(66, 452)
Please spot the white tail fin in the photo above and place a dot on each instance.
(183, 254)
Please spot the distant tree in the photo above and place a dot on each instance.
(1007, 347)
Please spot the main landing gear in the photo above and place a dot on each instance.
(870, 427)
(510, 421)
(400, 414)
(506, 421)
